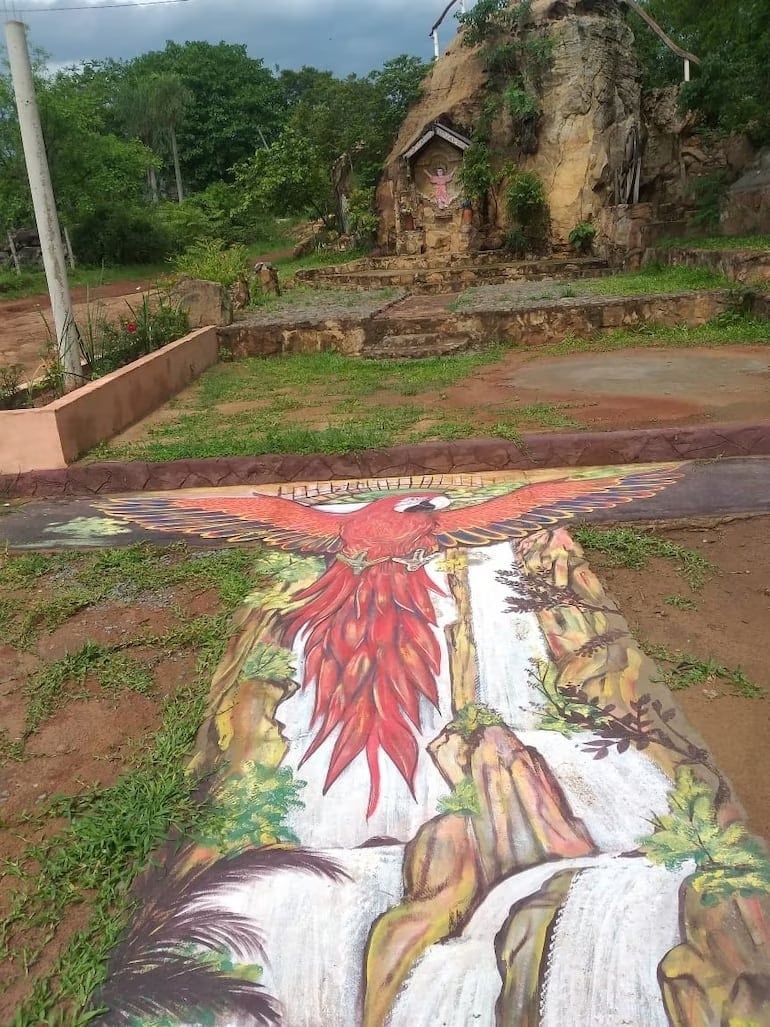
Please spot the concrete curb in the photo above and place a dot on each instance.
(576, 449)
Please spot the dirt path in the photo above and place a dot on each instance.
(26, 324)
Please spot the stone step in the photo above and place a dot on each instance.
(428, 344)
(453, 277)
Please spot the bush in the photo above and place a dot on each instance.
(213, 261)
(106, 346)
(217, 213)
(121, 235)
(524, 197)
(363, 220)
(515, 242)
(582, 237)
(12, 396)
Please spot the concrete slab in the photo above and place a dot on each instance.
(450, 787)
(716, 488)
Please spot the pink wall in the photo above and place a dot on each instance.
(56, 435)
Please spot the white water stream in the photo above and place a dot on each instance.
(506, 643)
(619, 919)
(315, 932)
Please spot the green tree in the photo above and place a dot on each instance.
(289, 177)
(731, 87)
(151, 108)
(233, 97)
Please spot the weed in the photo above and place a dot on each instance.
(718, 242)
(112, 669)
(684, 670)
(627, 547)
(680, 602)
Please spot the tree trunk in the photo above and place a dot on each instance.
(152, 177)
(177, 168)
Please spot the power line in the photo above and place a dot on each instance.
(99, 7)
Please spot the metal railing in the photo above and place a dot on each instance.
(434, 31)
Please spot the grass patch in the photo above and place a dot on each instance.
(33, 283)
(71, 583)
(728, 329)
(100, 840)
(717, 242)
(682, 670)
(626, 547)
(109, 838)
(356, 421)
(56, 684)
(652, 279)
(680, 602)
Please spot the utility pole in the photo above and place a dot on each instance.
(44, 203)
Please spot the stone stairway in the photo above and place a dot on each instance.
(403, 344)
(426, 275)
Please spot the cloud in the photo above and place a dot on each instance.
(342, 35)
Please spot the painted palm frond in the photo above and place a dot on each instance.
(186, 988)
(161, 966)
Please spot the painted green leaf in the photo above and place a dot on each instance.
(729, 861)
(269, 663)
(251, 808)
(464, 799)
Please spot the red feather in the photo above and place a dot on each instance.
(371, 653)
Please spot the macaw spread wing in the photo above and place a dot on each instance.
(270, 519)
(534, 507)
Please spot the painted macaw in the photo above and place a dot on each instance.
(368, 622)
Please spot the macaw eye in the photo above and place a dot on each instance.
(422, 504)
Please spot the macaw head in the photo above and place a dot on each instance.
(419, 502)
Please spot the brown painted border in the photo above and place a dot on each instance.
(578, 449)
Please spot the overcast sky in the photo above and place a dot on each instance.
(341, 35)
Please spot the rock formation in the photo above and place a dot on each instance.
(523, 820)
(591, 113)
(604, 151)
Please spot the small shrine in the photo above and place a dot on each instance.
(431, 215)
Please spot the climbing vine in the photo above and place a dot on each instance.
(516, 63)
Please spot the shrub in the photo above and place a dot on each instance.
(524, 197)
(515, 242)
(106, 345)
(363, 220)
(216, 213)
(122, 235)
(12, 396)
(582, 237)
(213, 261)
(476, 175)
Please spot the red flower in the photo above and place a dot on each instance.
(131, 327)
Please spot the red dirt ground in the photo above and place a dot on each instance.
(23, 332)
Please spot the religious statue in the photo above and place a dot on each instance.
(441, 180)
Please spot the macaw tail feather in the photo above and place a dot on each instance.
(372, 653)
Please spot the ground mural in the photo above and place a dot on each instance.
(448, 788)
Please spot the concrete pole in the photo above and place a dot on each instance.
(44, 203)
(686, 70)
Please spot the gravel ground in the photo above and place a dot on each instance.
(516, 295)
(303, 304)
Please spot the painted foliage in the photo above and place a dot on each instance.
(446, 787)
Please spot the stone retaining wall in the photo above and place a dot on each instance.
(543, 324)
(747, 267)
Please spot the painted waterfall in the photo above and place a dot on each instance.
(444, 785)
